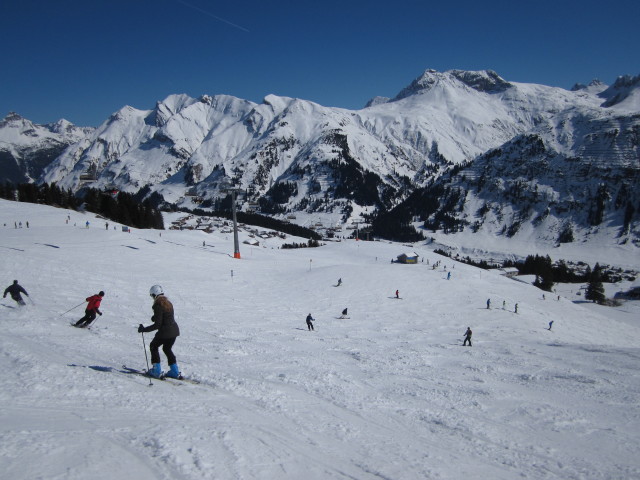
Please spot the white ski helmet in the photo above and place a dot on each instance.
(155, 291)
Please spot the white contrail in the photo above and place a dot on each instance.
(212, 15)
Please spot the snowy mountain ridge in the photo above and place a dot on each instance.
(27, 148)
(291, 155)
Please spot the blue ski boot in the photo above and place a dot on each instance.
(155, 371)
(173, 371)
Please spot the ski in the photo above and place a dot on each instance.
(85, 327)
(162, 377)
(180, 379)
(134, 371)
(100, 368)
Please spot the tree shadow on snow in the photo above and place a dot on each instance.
(98, 368)
(101, 368)
(12, 248)
(48, 245)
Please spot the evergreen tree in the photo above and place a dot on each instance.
(629, 211)
(109, 207)
(124, 208)
(544, 283)
(542, 268)
(595, 289)
(8, 191)
(28, 192)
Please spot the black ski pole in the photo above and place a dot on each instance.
(146, 359)
(71, 309)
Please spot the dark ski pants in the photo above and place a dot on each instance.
(309, 325)
(166, 344)
(468, 339)
(89, 316)
(18, 300)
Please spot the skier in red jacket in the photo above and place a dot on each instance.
(93, 307)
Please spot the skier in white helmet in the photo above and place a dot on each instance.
(167, 332)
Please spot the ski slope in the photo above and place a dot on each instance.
(389, 393)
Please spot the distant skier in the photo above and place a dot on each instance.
(467, 337)
(167, 332)
(488, 303)
(15, 290)
(449, 276)
(310, 321)
(516, 309)
(397, 294)
(550, 325)
(339, 282)
(344, 313)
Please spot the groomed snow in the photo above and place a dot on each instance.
(389, 393)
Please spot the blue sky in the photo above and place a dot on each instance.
(83, 60)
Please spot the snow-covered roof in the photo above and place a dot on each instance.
(509, 270)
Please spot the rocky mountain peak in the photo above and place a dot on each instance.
(483, 81)
(423, 83)
(377, 100)
(11, 117)
(626, 81)
(624, 87)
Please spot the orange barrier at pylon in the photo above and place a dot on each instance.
(236, 255)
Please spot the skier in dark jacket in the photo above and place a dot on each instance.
(310, 319)
(15, 290)
(167, 332)
(467, 337)
(93, 307)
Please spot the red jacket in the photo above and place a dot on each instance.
(94, 302)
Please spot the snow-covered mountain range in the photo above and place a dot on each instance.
(27, 148)
(291, 155)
